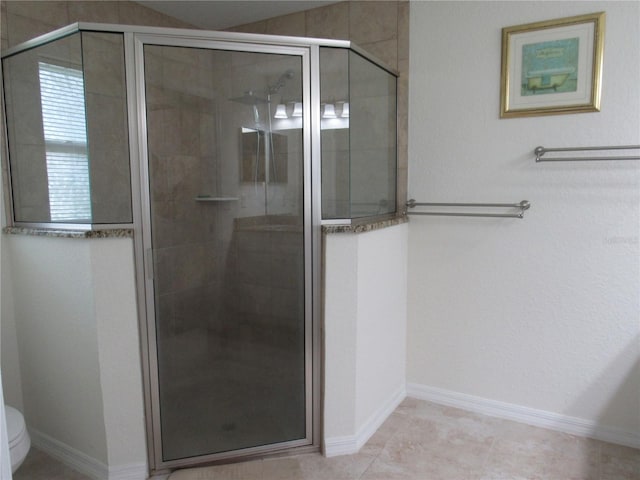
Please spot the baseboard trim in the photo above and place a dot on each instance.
(530, 416)
(350, 444)
(83, 463)
(133, 471)
(69, 456)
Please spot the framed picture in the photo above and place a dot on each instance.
(552, 67)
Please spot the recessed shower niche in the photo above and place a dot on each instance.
(225, 153)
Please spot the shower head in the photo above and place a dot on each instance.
(288, 75)
(249, 98)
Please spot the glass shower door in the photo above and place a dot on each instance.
(227, 221)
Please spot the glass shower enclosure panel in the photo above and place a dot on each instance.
(227, 218)
(358, 136)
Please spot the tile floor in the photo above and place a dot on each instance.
(423, 441)
(40, 466)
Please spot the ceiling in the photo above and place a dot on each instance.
(221, 14)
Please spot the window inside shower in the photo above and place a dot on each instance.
(65, 139)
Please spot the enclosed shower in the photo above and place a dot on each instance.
(224, 153)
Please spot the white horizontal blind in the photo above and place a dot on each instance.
(65, 135)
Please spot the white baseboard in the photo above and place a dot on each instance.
(69, 456)
(84, 463)
(350, 444)
(132, 471)
(530, 416)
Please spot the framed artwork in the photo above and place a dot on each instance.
(552, 67)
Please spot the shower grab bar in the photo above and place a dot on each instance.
(540, 151)
(522, 206)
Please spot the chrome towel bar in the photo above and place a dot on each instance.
(540, 151)
(521, 207)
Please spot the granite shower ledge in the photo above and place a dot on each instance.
(128, 232)
(365, 227)
(58, 233)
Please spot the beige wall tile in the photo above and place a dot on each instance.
(387, 51)
(331, 21)
(3, 26)
(110, 186)
(381, 28)
(371, 21)
(403, 113)
(20, 29)
(401, 193)
(134, 14)
(291, 25)
(403, 132)
(103, 63)
(256, 27)
(23, 20)
(49, 12)
(94, 11)
(403, 30)
(31, 194)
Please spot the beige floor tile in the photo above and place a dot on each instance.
(41, 466)
(348, 467)
(421, 467)
(303, 467)
(234, 471)
(421, 441)
(538, 465)
(395, 423)
(431, 449)
(619, 463)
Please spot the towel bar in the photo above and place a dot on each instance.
(521, 207)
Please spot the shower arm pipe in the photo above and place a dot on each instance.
(272, 154)
(522, 206)
(540, 151)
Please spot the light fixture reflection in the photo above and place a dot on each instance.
(344, 113)
(281, 111)
(297, 109)
(329, 111)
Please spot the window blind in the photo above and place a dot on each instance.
(65, 136)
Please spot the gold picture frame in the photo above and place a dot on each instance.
(552, 67)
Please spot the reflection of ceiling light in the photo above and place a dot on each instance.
(297, 109)
(344, 113)
(281, 111)
(329, 111)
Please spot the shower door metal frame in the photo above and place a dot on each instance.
(311, 215)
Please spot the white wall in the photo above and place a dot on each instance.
(112, 266)
(381, 321)
(77, 330)
(340, 314)
(542, 312)
(9, 360)
(56, 326)
(365, 333)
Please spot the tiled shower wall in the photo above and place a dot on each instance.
(181, 148)
(100, 57)
(380, 27)
(23, 20)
